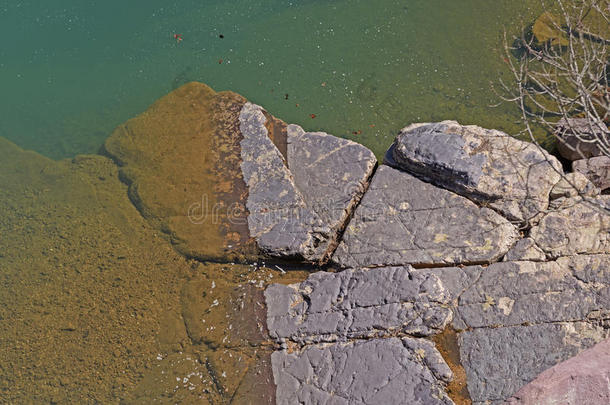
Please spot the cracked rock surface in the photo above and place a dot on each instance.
(358, 304)
(377, 371)
(486, 165)
(403, 220)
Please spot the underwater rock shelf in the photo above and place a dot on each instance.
(461, 227)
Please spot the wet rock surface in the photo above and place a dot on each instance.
(580, 379)
(403, 220)
(488, 166)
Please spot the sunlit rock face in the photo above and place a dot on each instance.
(225, 179)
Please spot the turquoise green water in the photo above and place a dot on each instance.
(71, 70)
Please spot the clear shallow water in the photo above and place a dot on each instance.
(71, 70)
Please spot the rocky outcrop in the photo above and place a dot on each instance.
(226, 180)
(487, 166)
(503, 342)
(403, 220)
(581, 379)
(596, 169)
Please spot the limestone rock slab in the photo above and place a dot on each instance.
(377, 371)
(576, 226)
(403, 220)
(568, 289)
(581, 379)
(525, 249)
(278, 217)
(488, 166)
(358, 304)
(331, 173)
(499, 361)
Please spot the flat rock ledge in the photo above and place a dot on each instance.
(357, 372)
(432, 247)
(423, 245)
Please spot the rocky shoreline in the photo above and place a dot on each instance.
(460, 227)
(458, 270)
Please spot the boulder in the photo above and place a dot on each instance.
(487, 166)
(596, 169)
(376, 371)
(579, 138)
(576, 225)
(219, 177)
(403, 220)
(582, 379)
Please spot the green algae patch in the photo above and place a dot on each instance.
(97, 306)
(181, 159)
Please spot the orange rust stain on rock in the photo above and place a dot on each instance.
(447, 345)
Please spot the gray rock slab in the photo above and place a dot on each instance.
(596, 169)
(575, 226)
(488, 166)
(330, 172)
(499, 361)
(403, 220)
(279, 218)
(377, 371)
(582, 379)
(515, 293)
(525, 249)
(358, 304)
